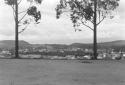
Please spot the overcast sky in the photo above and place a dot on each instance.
(52, 30)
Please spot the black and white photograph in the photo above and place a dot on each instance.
(62, 42)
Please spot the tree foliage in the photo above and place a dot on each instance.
(82, 11)
(86, 12)
(13, 2)
(32, 11)
(10, 2)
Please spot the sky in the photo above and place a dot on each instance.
(60, 31)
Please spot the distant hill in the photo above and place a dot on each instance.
(50, 46)
(81, 45)
(117, 45)
(9, 44)
(112, 44)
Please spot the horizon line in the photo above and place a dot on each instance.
(66, 43)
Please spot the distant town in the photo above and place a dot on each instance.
(109, 50)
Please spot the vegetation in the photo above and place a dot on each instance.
(21, 18)
(89, 13)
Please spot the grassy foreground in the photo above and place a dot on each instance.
(61, 72)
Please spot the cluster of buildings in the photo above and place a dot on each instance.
(5, 54)
(72, 53)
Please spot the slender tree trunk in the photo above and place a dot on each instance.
(16, 31)
(95, 31)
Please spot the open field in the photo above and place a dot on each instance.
(61, 72)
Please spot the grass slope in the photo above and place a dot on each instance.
(61, 72)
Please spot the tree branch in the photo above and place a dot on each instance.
(19, 2)
(23, 29)
(22, 17)
(100, 20)
(22, 12)
(91, 21)
(86, 25)
(13, 11)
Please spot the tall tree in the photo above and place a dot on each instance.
(24, 17)
(89, 13)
